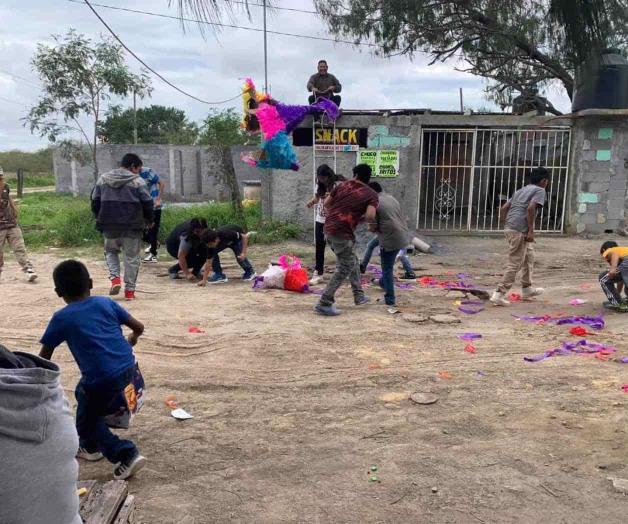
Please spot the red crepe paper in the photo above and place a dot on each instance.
(470, 348)
(625, 388)
(194, 329)
(514, 297)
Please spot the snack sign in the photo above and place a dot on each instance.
(383, 162)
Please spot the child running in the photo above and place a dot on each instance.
(615, 280)
(91, 328)
(520, 214)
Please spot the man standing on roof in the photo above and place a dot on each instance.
(324, 85)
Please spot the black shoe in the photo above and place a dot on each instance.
(128, 468)
(362, 269)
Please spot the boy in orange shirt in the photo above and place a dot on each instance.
(617, 258)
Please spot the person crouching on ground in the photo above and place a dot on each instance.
(615, 280)
(326, 179)
(184, 243)
(520, 214)
(11, 233)
(91, 327)
(234, 238)
(123, 208)
(346, 206)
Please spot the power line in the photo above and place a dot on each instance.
(113, 33)
(232, 26)
(26, 80)
(13, 101)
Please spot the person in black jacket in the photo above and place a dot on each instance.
(184, 244)
(123, 208)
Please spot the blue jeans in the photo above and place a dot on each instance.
(237, 250)
(94, 434)
(370, 247)
(388, 280)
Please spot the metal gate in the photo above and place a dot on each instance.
(467, 174)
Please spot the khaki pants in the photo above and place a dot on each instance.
(13, 236)
(520, 257)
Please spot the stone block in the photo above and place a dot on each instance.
(601, 218)
(617, 183)
(588, 198)
(603, 155)
(580, 228)
(598, 187)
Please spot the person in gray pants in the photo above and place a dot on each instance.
(123, 208)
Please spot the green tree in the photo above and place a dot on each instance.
(156, 124)
(39, 161)
(79, 76)
(517, 45)
(222, 128)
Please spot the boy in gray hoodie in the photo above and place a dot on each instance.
(38, 443)
(123, 209)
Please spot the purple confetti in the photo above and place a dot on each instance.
(569, 348)
(470, 311)
(469, 336)
(624, 360)
(593, 322)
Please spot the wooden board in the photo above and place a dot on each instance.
(103, 502)
(89, 486)
(126, 515)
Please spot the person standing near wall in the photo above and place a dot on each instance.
(519, 214)
(11, 233)
(326, 179)
(123, 208)
(347, 205)
(156, 189)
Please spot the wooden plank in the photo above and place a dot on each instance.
(102, 507)
(89, 486)
(126, 515)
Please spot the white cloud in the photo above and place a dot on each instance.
(212, 69)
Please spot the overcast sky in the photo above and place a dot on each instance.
(212, 69)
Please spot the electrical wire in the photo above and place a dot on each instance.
(232, 26)
(158, 75)
(25, 80)
(13, 101)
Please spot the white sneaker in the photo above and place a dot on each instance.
(82, 453)
(529, 292)
(316, 279)
(499, 299)
(147, 250)
(150, 258)
(32, 276)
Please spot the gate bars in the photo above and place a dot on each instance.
(466, 174)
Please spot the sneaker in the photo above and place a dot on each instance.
(129, 295)
(82, 453)
(32, 276)
(217, 279)
(328, 311)
(173, 275)
(116, 284)
(408, 276)
(316, 279)
(362, 300)
(124, 470)
(529, 292)
(499, 299)
(150, 258)
(249, 275)
(147, 250)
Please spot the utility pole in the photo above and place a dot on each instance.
(265, 54)
(461, 102)
(134, 117)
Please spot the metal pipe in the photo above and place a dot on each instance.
(265, 53)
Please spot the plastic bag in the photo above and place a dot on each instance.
(127, 404)
(296, 280)
(272, 278)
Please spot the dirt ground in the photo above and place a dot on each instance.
(291, 410)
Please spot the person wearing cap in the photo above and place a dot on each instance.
(11, 233)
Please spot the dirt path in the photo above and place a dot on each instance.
(291, 410)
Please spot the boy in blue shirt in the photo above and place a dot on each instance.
(91, 328)
(156, 188)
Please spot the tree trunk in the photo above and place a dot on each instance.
(231, 181)
(94, 160)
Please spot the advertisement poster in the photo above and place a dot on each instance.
(384, 163)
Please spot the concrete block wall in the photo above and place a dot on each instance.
(188, 172)
(599, 170)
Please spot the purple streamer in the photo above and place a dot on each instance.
(470, 336)
(593, 322)
(569, 348)
(470, 311)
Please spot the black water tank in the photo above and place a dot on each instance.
(602, 83)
